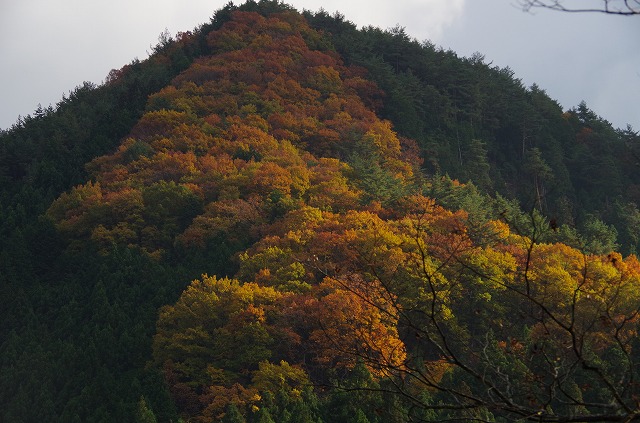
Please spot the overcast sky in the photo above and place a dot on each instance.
(48, 47)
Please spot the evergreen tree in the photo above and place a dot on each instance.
(144, 413)
(233, 415)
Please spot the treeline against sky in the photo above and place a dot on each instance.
(280, 217)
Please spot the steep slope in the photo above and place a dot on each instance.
(474, 121)
(64, 322)
(345, 291)
(269, 146)
(424, 312)
(206, 169)
(236, 141)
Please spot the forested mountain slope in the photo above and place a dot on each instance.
(477, 122)
(291, 167)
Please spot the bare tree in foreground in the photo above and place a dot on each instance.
(551, 336)
(611, 7)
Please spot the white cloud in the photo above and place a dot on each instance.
(50, 46)
(423, 19)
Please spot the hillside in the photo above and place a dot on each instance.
(278, 217)
(474, 121)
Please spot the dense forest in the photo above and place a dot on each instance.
(279, 217)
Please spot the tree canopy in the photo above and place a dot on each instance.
(278, 217)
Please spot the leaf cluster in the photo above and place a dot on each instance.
(300, 159)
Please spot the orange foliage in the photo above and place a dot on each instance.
(217, 398)
(353, 328)
(252, 131)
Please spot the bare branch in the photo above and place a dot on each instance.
(610, 7)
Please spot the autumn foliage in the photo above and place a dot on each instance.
(345, 266)
(238, 139)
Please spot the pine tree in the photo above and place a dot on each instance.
(144, 413)
(233, 415)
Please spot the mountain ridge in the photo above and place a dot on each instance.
(345, 267)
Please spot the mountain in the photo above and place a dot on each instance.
(264, 221)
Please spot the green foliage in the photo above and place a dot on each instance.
(282, 406)
(208, 169)
(232, 415)
(356, 398)
(628, 215)
(263, 416)
(274, 378)
(598, 237)
(477, 165)
(216, 324)
(371, 175)
(144, 413)
(170, 207)
(570, 165)
(136, 150)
